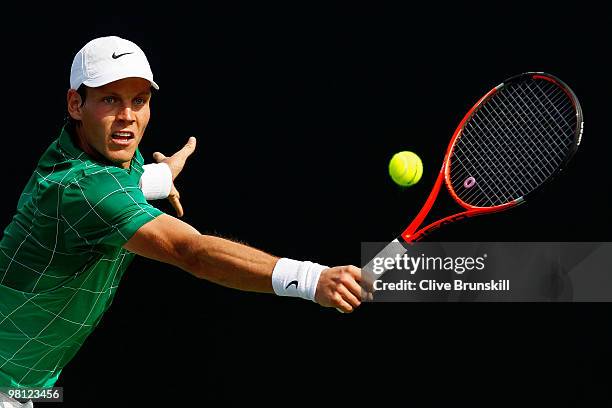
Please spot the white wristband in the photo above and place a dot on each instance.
(295, 278)
(156, 181)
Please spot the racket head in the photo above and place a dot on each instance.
(514, 140)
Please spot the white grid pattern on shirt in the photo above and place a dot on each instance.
(97, 295)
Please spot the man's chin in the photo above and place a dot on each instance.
(123, 160)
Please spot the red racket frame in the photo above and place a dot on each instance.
(411, 234)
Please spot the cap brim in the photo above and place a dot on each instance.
(107, 79)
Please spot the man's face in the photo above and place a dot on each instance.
(114, 118)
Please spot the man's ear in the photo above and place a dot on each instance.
(74, 104)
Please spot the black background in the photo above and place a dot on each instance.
(297, 111)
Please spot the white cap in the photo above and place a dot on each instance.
(107, 59)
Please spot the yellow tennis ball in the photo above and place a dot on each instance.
(405, 168)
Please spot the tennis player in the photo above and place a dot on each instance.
(84, 214)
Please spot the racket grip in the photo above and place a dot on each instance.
(369, 274)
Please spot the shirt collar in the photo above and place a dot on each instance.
(67, 144)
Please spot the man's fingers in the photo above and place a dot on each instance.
(355, 272)
(353, 287)
(344, 306)
(361, 278)
(158, 157)
(359, 287)
(185, 151)
(189, 147)
(177, 206)
(349, 297)
(174, 199)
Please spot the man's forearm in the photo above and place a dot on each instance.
(229, 263)
(170, 240)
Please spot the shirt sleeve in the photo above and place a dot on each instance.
(104, 208)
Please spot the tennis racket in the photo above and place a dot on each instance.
(513, 141)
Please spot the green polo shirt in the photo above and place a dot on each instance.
(61, 259)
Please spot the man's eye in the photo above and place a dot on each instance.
(109, 99)
(139, 101)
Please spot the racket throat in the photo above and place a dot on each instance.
(423, 232)
(418, 220)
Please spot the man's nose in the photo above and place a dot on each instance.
(126, 113)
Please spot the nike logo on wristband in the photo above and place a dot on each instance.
(115, 56)
(292, 283)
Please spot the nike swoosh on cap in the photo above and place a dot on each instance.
(115, 56)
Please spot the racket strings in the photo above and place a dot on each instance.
(513, 143)
(509, 145)
(495, 162)
(504, 178)
(547, 110)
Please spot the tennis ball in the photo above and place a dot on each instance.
(405, 168)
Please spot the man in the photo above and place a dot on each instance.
(84, 214)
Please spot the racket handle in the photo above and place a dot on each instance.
(368, 273)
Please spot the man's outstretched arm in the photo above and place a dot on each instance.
(170, 240)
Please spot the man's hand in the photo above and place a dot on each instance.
(339, 287)
(176, 162)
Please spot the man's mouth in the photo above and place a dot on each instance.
(122, 138)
